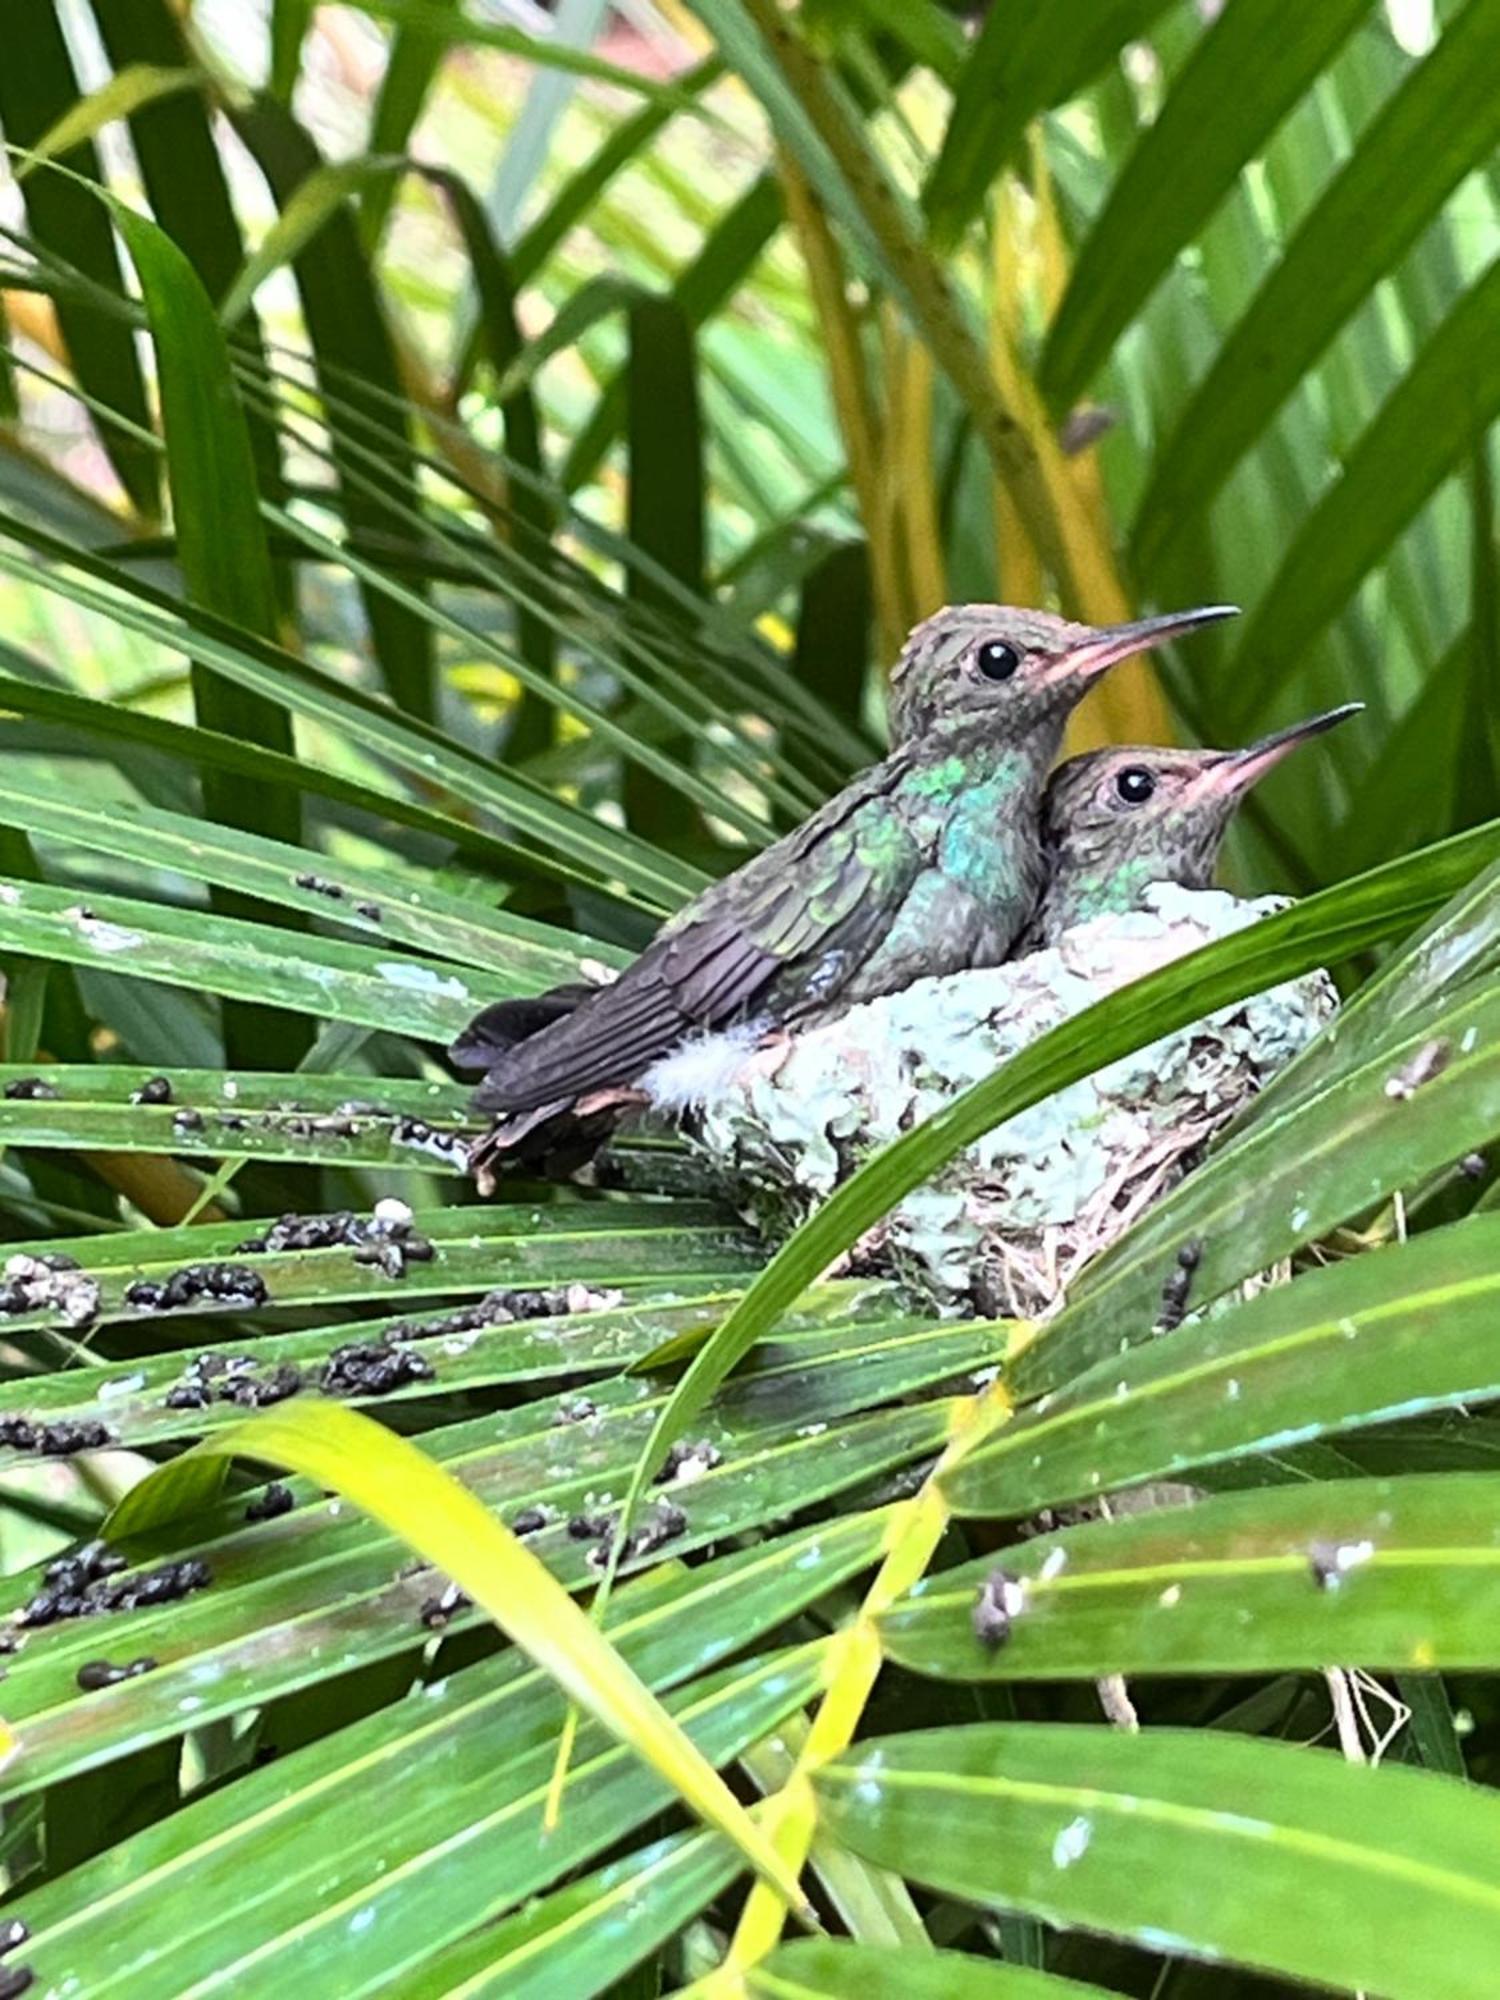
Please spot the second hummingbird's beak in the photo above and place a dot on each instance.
(1109, 644)
(1237, 770)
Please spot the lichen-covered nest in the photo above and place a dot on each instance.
(1006, 1225)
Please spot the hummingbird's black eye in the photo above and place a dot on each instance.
(1135, 785)
(997, 659)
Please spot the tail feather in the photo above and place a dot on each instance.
(608, 1039)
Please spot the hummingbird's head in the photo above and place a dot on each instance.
(1135, 816)
(1019, 672)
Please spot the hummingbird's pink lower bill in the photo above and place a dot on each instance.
(1237, 770)
(1109, 644)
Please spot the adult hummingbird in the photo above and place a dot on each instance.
(929, 862)
(1115, 821)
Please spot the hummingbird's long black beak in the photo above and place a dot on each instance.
(1237, 770)
(1110, 644)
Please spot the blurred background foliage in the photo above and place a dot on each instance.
(465, 469)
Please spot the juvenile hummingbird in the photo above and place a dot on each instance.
(1117, 820)
(927, 863)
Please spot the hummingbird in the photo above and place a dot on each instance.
(1117, 820)
(929, 862)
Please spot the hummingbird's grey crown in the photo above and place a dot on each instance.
(1115, 821)
(994, 666)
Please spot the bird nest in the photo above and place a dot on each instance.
(1006, 1225)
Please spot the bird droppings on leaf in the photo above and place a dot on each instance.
(1004, 1227)
(530, 1521)
(186, 1121)
(1174, 1293)
(385, 1238)
(686, 1462)
(155, 1090)
(1001, 1600)
(60, 1439)
(576, 1410)
(320, 886)
(436, 1611)
(663, 1524)
(1429, 1061)
(270, 1503)
(231, 1286)
(1072, 1842)
(88, 1582)
(372, 1368)
(14, 1979)
(1331, 1562)
(420, 1137)
(95, 1674)
(52, 1282)
(233, 1378)
(30, 1087)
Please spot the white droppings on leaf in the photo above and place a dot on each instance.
(1351, 1555)
(1072, 1841)
(1170, 1596)
(101, 935)
(1056, 1563)
(123, 1385)
(421, 979)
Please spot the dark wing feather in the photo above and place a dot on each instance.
(496, 1029)
(609, 1039)
(723, 956)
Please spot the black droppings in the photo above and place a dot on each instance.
(320, 886)
(372, 1368)
(503, 1306)
(371, 912)
(424, 1138)
(88, 1581)
(155, 1090)
(230, 1285)
(60, 1439)
(30, 1086)
(436, 1611)
(271, 1502)
(530, 1521)
(686, 1462)
(385, 1238)
(304, 1232)
(1179, 1285)
(94, 1674)
(591, 1527)
(187, 1120)
(14, 1979)
(663, 1524)
(69, 1435)
(577, 1410)
(233, 1378)
(1001, 1600)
